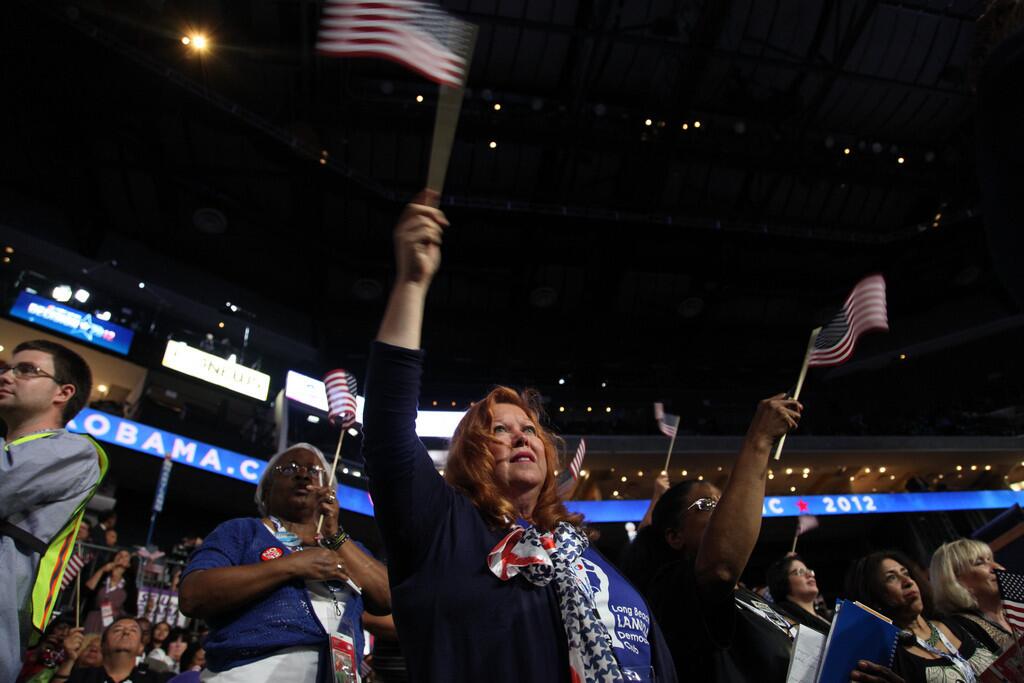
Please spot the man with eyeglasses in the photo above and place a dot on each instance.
(47, 475)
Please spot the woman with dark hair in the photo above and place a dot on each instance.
(650, 550)
(890, 583)
(492, 578)
(113, 592)
(794, 590)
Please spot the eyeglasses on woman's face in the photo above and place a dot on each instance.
(293, 469)
(801, 572)
(703, 504)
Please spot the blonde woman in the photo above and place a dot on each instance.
(964, 582)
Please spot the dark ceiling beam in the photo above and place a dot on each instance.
(849, 41)
(628, 36)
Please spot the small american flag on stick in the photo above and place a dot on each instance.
(864, 310)
(577, 460)
(667, 422)
(566, 483)
(341, 398)
(1011, 588)
(75, 564)
(418, 35)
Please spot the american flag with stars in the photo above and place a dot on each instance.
(667, 422)
(1011, 588)
(864, 310)
(418, 35)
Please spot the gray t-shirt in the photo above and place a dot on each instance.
(42, 481)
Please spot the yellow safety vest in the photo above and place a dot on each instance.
(54, 561)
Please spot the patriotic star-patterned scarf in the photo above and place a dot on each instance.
(541, 558)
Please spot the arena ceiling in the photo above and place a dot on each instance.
(676, 194)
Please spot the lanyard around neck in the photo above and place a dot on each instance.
(953, 656)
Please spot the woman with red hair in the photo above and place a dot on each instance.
(492, 578)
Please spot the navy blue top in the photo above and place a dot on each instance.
(280, 619)
(456, 620)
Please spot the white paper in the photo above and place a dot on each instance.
(808, 649)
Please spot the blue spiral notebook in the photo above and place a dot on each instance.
(857, 633)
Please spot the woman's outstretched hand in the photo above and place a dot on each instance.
(418, 240)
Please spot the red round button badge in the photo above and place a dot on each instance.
(271, 554)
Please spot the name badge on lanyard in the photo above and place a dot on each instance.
(107, 613)
(343, 656)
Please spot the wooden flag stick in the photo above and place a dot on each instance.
(78, 593)
(449, 105)
(330, 480)
(671, 443)
(799, 384)
(795, 536)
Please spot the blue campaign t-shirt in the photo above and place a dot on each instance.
(623, 612)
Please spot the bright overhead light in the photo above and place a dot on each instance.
(492, 144)
(199, 42)
(102, 388)
(185, 40)
(696, 124)
(623, 479)
(82, 295)
(142, 285)
(62, 293)
(648, 122)
(561, 409)
(561, 380)
(103, 315)
(497, 107)
(419, 98)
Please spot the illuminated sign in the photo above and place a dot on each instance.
(216, 370)
(823, 505)
(74, 323)
(311, 392)
(159, 443)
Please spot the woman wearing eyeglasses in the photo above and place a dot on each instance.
(274, 591)
(794, 589)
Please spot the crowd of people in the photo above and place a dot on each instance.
(488, 575)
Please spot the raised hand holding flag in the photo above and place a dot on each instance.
(422, 37)
(864, 310)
